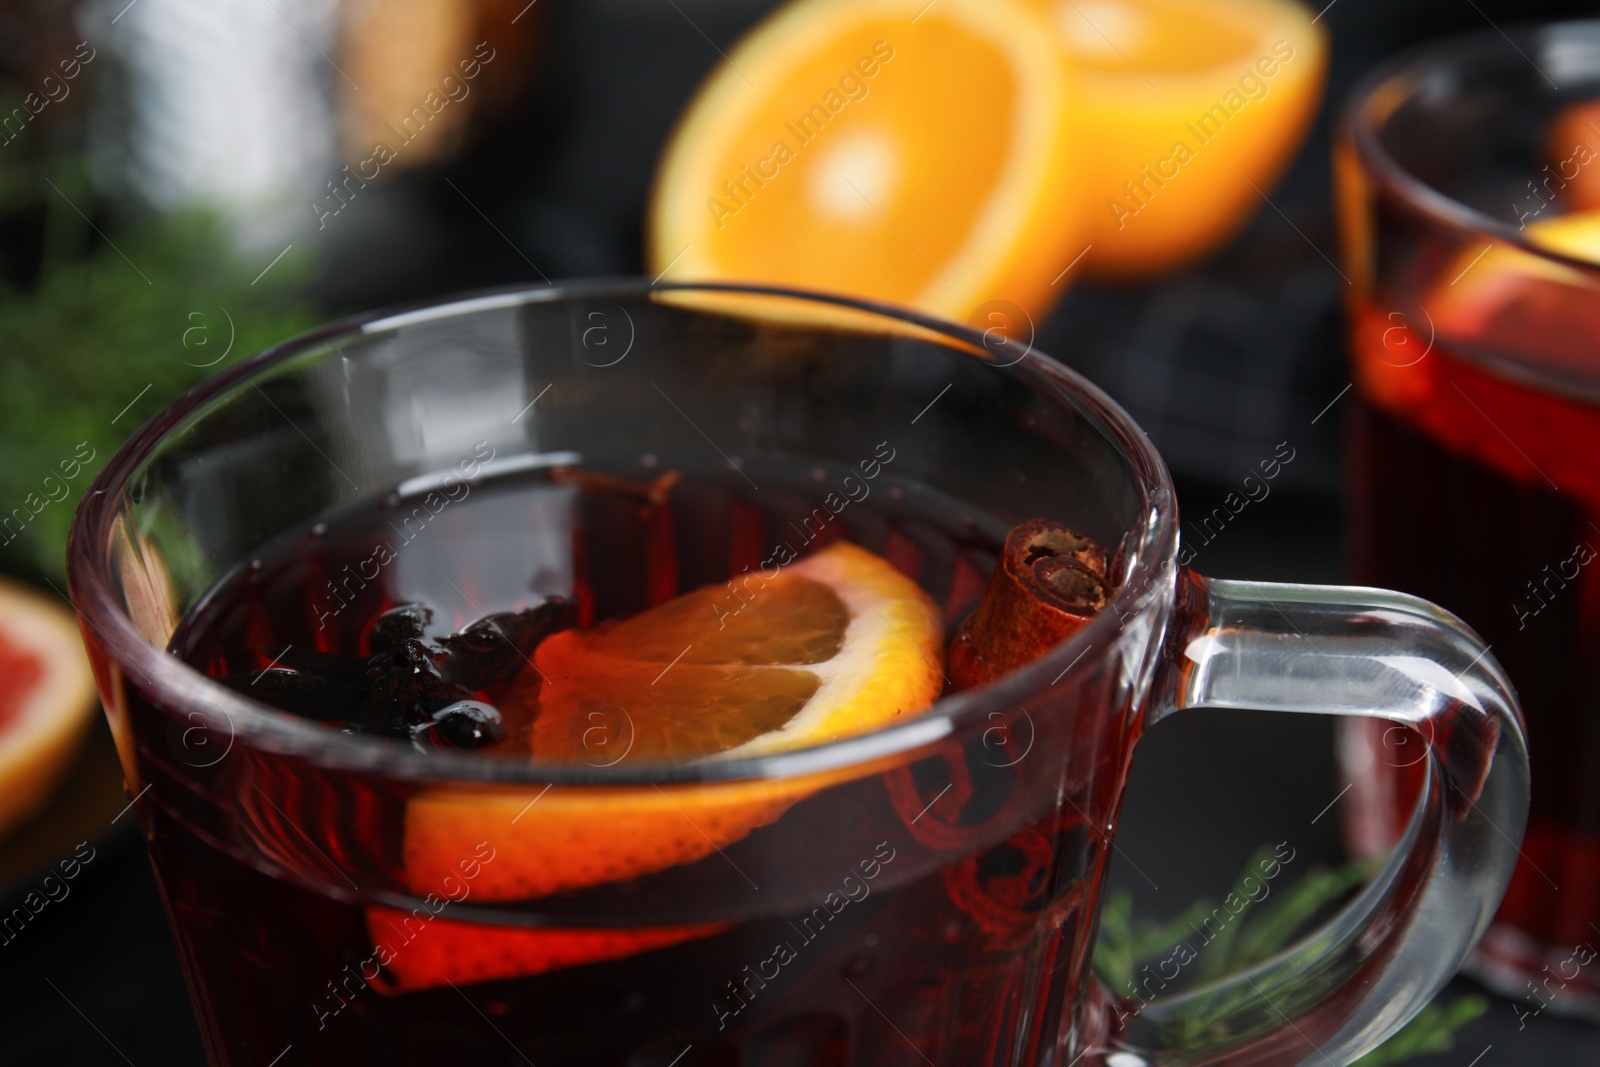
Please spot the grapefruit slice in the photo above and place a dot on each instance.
(894, 149)
(834, 645)
(46, 700)
(1183, 106)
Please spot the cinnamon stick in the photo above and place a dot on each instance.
(1049, 582)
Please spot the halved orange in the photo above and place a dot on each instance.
(46, 700)
(1183, 106)
(911, 152)
(837, 644)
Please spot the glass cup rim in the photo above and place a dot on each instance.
(175, 683)
(1458, 50)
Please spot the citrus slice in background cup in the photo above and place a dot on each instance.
(1501, 336)
(1503, 297)
(889, 149)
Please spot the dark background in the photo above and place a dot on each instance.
(1219, 364)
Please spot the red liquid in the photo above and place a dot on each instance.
(1477, 488)
(962, 884)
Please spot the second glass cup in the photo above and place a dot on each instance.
(1469, 188)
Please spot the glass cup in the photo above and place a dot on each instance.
(1474, 461)
(930, 891)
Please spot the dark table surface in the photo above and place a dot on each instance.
(1218, 364)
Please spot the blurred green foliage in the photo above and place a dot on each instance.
(1433, 1030)
(102, 323)
(1259, 931)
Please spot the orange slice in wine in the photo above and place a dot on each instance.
(832, 646)
(829, 647)
(420, 951)
(837, 644)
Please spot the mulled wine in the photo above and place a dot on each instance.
(419, 621)
(1447, 435)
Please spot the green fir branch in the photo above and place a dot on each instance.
(1255, 933)
(112, 322)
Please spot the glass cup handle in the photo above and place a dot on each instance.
(1348, 651)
